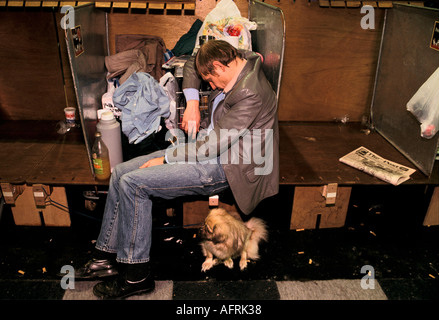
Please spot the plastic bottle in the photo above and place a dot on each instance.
(110, 131)
(101, 159)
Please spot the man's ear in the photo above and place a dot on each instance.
(218, 66)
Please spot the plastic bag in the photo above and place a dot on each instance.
(225, 21)
(424, 105)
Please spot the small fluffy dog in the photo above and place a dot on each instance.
(226, 237)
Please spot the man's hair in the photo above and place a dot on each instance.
(214, 50)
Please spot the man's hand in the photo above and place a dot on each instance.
(152, 163)
(191, 118)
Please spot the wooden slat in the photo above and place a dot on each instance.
(67, 3)
(337, 4)
(370, 3)
(142, 5)
(179, 5)
(121, 5)
(174, 6)
(154, 5)
(50, 4)
(15, 3)
(353, 4)
(189, 6)
(357, 3)
(138, 5)
(106, 4)
(33, 4)
(385, 4)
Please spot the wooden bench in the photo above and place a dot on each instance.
(33, 153)
(309, 161)
(309, 154)
(33, 156)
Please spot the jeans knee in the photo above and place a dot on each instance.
(118, 172)
(127, 184)
(117, 169)
(124, 181)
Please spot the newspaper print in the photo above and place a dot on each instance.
(371, 163)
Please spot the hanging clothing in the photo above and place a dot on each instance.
(186, 44)
(152, 47)
(125, 63)
(143, 103)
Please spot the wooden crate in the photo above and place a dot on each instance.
(53, 214)
(310, 209)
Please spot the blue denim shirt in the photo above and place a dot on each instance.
(143, 102)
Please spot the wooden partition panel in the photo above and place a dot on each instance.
(330, 62)
(31, 82)
(329, 66)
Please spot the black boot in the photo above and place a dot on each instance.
(103, 264)
(134, 280)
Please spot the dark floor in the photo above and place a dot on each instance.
(383, 229)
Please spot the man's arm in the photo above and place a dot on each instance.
(191, 85)
(235, 123)
(191, 117)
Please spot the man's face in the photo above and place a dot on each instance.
(219, 78)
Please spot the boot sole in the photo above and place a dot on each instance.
(134, 293)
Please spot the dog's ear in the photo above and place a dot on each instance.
(218, 235)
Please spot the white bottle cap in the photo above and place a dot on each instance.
(107, 115)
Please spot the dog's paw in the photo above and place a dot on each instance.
(208, 264)
(228, 263)
(242, 264)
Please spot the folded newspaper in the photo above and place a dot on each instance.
(371, 163)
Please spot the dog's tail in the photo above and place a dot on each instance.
(259, 233)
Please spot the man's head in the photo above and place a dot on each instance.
(214, 62)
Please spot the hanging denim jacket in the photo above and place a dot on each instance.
(143, 103)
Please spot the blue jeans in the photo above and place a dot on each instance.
(127, 222)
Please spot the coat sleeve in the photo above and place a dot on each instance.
(232, 126)
(190, 76)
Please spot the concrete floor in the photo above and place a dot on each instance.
(295, 265)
